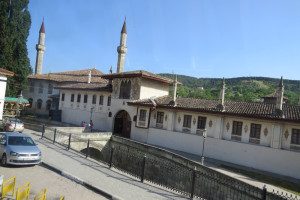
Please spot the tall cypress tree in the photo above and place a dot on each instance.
(15, 23)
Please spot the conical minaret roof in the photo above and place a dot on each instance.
(124, 29)
(42, 29)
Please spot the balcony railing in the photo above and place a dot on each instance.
(295, 147)
(237, 138)
(159, 125)
(200, 132)
(186, 130)
(254, 140)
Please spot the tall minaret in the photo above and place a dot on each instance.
(40, 49)
(122, 49)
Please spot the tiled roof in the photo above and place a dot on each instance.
(246, 109)
(80, 76)
(139, 73)
(6, 72)
(86, 86)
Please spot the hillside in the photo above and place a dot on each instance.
(237, 89)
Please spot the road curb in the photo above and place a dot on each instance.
(79, 181)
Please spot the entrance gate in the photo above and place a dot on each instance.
(122, 124)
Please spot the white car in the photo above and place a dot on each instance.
(18, 149)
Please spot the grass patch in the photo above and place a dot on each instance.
(278, 182)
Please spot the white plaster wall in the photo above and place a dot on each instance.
(153, 89)
(268, 155)
(3, 80)
(287, 131)
(35, 95)
(75, 113)
(255, 156)
(176, 140)
(265, 138)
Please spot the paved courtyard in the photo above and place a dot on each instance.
(40, 177)
(99, 175)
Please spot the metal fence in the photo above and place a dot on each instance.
(200, 182)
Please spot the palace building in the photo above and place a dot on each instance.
(137, 105)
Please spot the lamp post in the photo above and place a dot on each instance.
(20, 96)
(203, 143)
(92, 109)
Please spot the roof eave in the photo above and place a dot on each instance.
(215, 112)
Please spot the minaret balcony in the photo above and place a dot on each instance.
(122, 49)
(40, 47)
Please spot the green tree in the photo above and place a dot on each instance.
(15, 23)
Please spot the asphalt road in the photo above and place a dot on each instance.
(56, 185)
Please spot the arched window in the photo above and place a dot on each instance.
(125, 90)
(30, 100)
(50, 88)
(39, 104)
(48, 104)
(41, 88)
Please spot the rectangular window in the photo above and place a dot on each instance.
(50, 88)
(31, 87)
(85, 98)
(63, 97)
(187, 121)
(72, 97)
(237, 130)
(255, 133)
(101, 100)
(201, 122)
(78, 98)
(41, 88)
(295, 136)
(94, 99)
(160, 117)
(142, 115)
(109, 101)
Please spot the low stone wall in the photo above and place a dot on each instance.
(155, 151)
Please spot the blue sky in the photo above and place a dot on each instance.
(202, 38)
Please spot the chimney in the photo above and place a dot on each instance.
(223, 92)
(175, 90)
(279, 98)
(90, 76)
(110, 70)
(221, 106)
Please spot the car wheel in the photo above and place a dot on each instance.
(4, 160)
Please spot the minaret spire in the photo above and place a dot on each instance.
(40, 49)
(122, 49)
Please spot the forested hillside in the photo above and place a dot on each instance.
(238, 89)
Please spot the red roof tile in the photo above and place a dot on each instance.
(139, 73)
(80, 76)
(6, 72)
(246, 109)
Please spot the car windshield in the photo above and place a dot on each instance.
(20, 141)
(15, 120)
